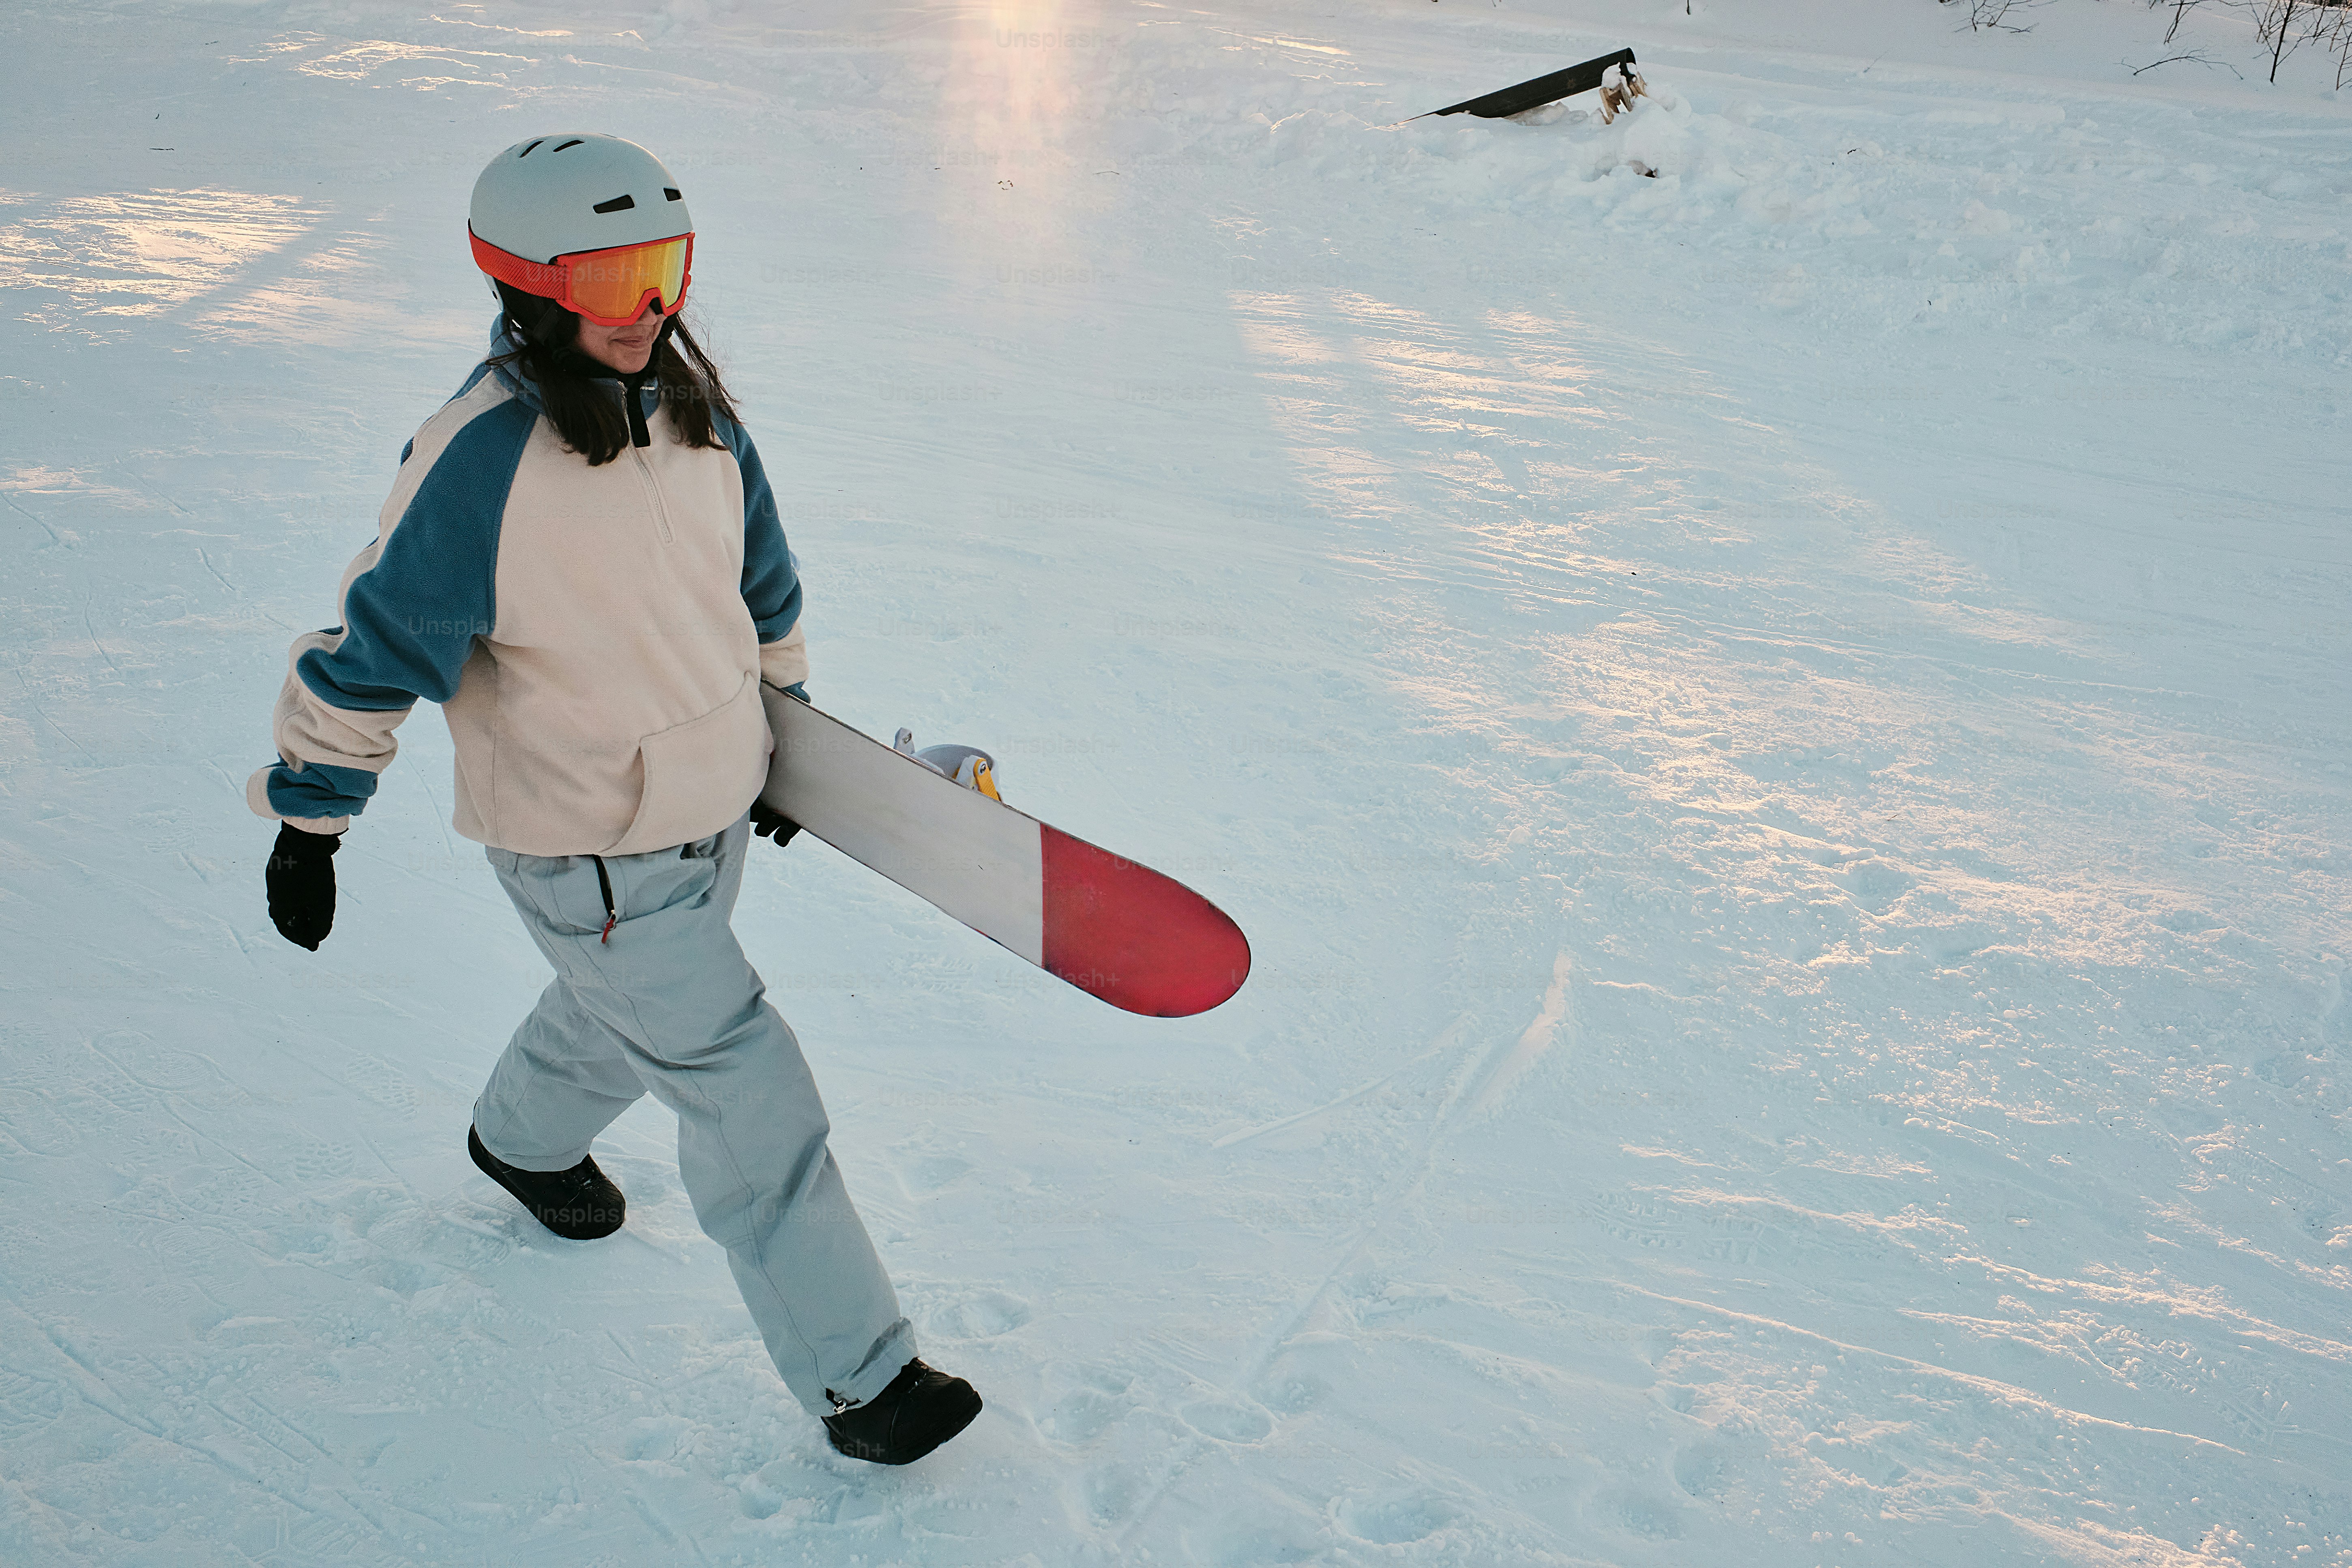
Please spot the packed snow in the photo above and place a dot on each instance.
(1769, 680)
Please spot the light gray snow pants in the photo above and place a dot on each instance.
(671, 1005)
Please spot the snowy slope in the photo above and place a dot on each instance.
(1779, 730)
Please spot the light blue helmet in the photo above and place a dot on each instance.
(558, 196)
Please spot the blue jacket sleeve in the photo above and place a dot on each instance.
(413, 602)
(771, 579)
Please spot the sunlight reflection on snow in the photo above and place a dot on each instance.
(1504, 403)
(220, 261)
(135, 253)
(1008, 85)
(378, 60)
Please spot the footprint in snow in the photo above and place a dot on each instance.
(1877, 885)
(164, 1069)
(301, 1240)
(933, 1171)
(1703, 1469)
(1293, 1394)
(1112, 1493)
(767, 1489)
(1395, 1519)
(655, 1437)
(1228, 1421)
(316, 1159)
(30, 1121)
(1642, 1514)
(226, 1194)
(378, 1080)
(981, 1316)
(1081, 1415)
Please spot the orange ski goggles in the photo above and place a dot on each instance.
(608, 286)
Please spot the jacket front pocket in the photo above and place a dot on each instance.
(700, 776)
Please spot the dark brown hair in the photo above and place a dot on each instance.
(594, 422)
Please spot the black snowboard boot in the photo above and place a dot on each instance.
(922, 1408)
(581, 1204)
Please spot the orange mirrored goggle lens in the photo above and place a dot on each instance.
(612, 287)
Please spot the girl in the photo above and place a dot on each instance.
(582, 563)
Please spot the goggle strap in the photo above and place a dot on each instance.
(531, 276)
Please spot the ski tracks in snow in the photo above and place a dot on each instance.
(1482, 1079)
(1558, 1019)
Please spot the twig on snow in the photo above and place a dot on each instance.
(2195, 56)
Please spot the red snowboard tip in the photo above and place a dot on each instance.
(1135, 938)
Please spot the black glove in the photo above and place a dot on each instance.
(776, 826)
(301, 879)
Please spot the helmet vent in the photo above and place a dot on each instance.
(561, 145)
(530, 150)
(671, 192)
(619, 204)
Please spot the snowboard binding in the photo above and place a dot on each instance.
(1620, 86)
(968, 765)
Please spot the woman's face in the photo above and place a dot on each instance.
(625, 349)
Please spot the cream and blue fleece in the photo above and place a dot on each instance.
(595, 636)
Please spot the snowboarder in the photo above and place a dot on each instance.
(582, 563)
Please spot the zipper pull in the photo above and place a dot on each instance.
(612, 915)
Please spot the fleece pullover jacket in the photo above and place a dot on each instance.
(596, 635)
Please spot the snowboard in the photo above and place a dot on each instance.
(1114, 929)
